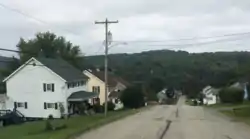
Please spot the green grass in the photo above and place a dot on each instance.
(239, 114)
(222, 105)
(189, 102)
(75, 126)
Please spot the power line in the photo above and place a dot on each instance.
(201, 43)
(185, 39)
(31, 17)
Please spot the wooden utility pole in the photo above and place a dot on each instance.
(106, 23)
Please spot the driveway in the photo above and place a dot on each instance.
(172, 122)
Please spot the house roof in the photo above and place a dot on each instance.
(81, 96)
(58, 66)
(115, 94)
(112, 79)
(63, 69)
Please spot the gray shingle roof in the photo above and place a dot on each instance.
(81, 96)
(112, 78)
(63, 69)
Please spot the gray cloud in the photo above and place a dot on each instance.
(138, 20)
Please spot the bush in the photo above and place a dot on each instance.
(98, 108)
(132, 97)
(48, 125)
(231, 95)
(111, 106)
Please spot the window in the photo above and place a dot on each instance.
(96, 89)
(82, 83)
(21, 105)
(48, 87)
(50, 106)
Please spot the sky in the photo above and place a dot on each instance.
(143, 24)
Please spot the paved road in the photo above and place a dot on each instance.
(176, 122)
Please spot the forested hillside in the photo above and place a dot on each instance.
(187, 71)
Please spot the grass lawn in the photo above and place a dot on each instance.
(189, 102)
(222, 105)
(75, 126)
(239, 114)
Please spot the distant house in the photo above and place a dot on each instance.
(162, 96)
(43, 87)
(96, 83)
(210, 95)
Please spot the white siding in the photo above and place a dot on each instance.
(27, 86)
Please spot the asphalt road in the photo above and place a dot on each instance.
(172, 122)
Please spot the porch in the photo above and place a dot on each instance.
(79, 103)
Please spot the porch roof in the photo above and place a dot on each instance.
(82, 96)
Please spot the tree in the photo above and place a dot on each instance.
(156, 84)
(132, 97)
(231, 95)
(49, 45)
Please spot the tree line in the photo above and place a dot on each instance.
(189, 72)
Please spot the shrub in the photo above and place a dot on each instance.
(231, 95)
(48, 125)
(98, 108)
(132, 97)
(111, 106)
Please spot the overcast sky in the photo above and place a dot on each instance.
(139, 20)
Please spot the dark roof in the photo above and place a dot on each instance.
(81, 96)
(63, 69)
(115, 94)
(112, 78)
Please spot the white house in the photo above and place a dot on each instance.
(210, 95)
(43, 87)
(162, 97)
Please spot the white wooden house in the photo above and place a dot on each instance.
(43, 87)
(210, 95)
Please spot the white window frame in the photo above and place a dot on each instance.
(49, 87)
(20, 104)
(50, 105)
(96, 89)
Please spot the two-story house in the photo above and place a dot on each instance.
(210, 95)
(43, 87)
(96, 83)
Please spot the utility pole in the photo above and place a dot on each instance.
(106, 22)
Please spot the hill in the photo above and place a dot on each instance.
(178, 69)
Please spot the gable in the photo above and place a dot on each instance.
(57, 66)
(31, 62)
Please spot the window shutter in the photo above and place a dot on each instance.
(98, 89)
(26, 105)
(56, 106)
(53, 87)
(15, 104)
(44, 87)
(93, 89)
(45, 105)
